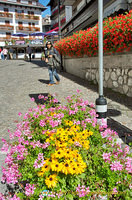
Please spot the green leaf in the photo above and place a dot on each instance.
(69, 197)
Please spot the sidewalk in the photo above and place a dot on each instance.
(21, 80)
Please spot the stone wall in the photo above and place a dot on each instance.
(117, 71)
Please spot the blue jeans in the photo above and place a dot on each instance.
(2, 56)
(52, 74)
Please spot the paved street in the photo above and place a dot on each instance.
(21, 80)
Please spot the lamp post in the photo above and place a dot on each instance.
(59, 21)
(101, 103)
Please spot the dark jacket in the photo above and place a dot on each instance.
(54, 62)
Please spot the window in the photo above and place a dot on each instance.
(30, 13)
(7, 22)
(6, 10)
(8, 34)
(20, 23)
(19, 11)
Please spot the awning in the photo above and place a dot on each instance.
(117, 5)
(55, 29)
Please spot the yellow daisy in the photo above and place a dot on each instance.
(66, 168)
(56, 166)
(58, 153)
(51, 181)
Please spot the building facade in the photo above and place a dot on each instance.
(46, 23)
(57, 9)
(84, 13)
(19, 16)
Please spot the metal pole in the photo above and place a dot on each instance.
(59, 21)
(101, 103)
(100, 41)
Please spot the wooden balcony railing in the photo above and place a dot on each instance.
(27, 28)
(6, 15)
(26, 17)
(6, 27)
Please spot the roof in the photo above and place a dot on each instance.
(39, 6)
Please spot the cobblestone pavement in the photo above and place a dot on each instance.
(21, 80)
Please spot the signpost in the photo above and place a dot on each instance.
(101, 103)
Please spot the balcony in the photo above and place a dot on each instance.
(27, 17)
(55, 10)
(6, 27)
(6, 15)
(27, 29)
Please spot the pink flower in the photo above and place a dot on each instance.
(78, 91)
(45, 145)
(130, 186)
(115, 190)
(39, 162)
(2, 197)
(82, 191)
(92, 105)
(32, 99)
(106, 156)
(29, 189)
(42, 123)
(128, 164)
(19, 113)
(15, 198)
(116, 166)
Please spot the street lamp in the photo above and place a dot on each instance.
(59, 21)
(101, 103)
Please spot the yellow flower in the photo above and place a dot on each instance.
(78, 168)
(41, 173)
(75, 128)
(64, 138)
(69, 123)
(51, 181)
(58, 154)
(60, 144)
(90, 133)
(45, 168)
(56, 166)
(66, 168)
(85, 144)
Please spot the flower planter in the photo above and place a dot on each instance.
(60, 152)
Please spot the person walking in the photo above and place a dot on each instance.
(2, 54)
(52, 58)
(5, 51)
(11, 53)
(29, 52)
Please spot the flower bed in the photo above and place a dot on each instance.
(59, 152)
(117, 38)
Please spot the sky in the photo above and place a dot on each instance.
(47, 11)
